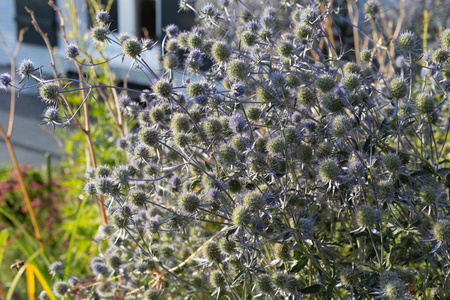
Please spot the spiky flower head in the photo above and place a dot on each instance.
(351, 68)
(132, 48)
(264, 284)
(349, 276)
(304, 153)
(170, 61)
(306, 96)
(398, 88)
(241, 216)
(148, 136)
(365, 55)
(211, 251)
(49, 92)
(137, 197)
(55, 268)
(113, 261)
(238, 69)
(26, 68)
(366, 216)
(217, 279)
(248, 38)
(189, 202)
(395, 290)
(281, 280)
(341, 126)
(407, 42)
(195, 40)
(72, 51)
(332, 103)
(172, 30)
(282, 252)
(5, 80)
(445, 39)
(440, 56)
(100, 34)
(227, 155)
(325, 83)
(180, 122)
(428, 194)
(51, 116)
(441, 230)
(371, 8)
(329, 169)
(60, 288)
(426, 103)
(103, 17)
(254, 200)
(351, 81)
(227, 246)
(213, 127)
(392, 162)
(285, 49)
(162, 88)
(44, 295)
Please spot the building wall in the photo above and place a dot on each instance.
(40, 56)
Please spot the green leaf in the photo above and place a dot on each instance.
(207, 166)
(3, 240)
(443, 172)
(330, 289)
(421, 173)
(311, 289)
(239, 275)
(299, 265)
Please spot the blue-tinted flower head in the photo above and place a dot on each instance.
(5, 80)
(172, 30)
(72, 51)
(26, 68)
(103, 17)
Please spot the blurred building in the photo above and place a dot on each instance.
(135, 17)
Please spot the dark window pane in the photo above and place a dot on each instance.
(169, 15)
(45, 16)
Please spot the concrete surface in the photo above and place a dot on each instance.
(30, 139)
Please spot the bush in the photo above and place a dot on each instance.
(327, 173)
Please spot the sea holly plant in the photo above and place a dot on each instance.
(281, 167)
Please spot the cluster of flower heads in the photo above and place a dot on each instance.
(276, 169)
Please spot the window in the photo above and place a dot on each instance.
(45, 16)
(155, 15)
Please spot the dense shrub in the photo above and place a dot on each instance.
(283, 170)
